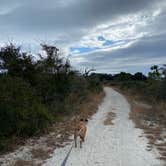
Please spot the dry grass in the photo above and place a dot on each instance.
(152, 119)
(90, 106)
(40, 153)
(24, 163)
(147, 120)
(110, 118)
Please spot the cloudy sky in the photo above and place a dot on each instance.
(107, 35)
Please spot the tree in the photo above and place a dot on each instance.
(53, 63)
(87, 72)
(17, 63)
(154, 74)
(163, 71)
(139, 76)
(123, 76)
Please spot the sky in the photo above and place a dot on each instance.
(109, 36)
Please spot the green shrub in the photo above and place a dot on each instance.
(21, 112)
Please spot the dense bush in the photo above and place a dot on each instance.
(21, 112)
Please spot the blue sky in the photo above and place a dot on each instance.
(109, 35)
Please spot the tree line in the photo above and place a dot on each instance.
(150, 88)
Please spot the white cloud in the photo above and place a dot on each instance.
(123, 29)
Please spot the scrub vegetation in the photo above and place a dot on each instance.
(35, 90)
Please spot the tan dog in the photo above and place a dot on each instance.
(80, 130)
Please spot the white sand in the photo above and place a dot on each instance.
(117, 145)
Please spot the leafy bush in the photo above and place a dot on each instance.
(21, 112)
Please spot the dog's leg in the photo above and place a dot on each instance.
(75, 139)
(75, 142)
(81, 141)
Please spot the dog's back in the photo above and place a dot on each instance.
(82, 130)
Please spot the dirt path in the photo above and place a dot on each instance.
(109, 145)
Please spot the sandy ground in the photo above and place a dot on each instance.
(120, 144)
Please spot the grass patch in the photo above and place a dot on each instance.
(109, 119)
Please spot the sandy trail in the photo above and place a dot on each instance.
(112, 145)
